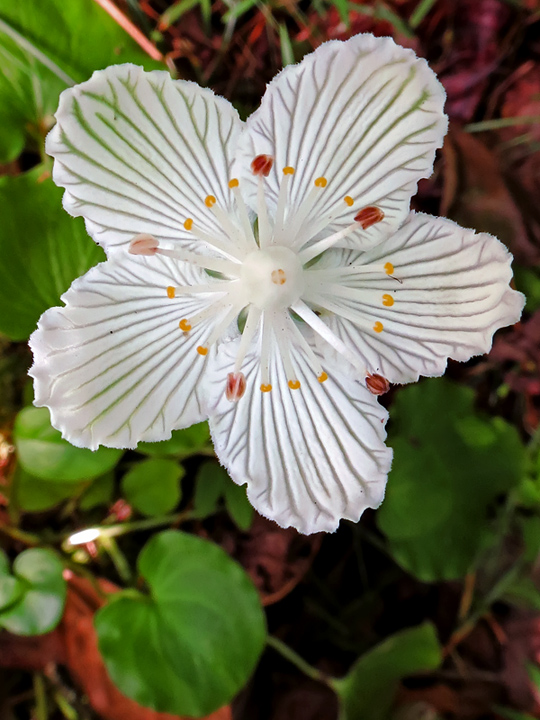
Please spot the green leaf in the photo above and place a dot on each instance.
(99, 493)
(191, 645)
(368, 690)
(237, 504)
(41, 261)
(209, 488)
(33, 494)
(43, 453)
(48, 45)
(43, 595)
(153, 486)
(185, 442)
(450, 466)
(10, 588)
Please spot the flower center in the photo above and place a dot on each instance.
(272, 278)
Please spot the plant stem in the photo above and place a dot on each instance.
(118, 558)
(289, 654)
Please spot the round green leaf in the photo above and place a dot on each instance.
(32, 494)
(153, 486)
(192, 644)
(10, 587)
(41, 604)
(42, 451)
(185, 442)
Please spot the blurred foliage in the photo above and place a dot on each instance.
(453, 549)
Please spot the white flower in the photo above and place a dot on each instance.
(339, 282)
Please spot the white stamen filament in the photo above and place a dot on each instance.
(312, 358)
(219, 286)
(250, 242)
(204, 261)
(320, 327)
(220, 329)
(281, 335)
(229, 252)
(265, 229)
(250, 328)
(351, 270)
(265, 349)
(232, 231)
(301, 214)
(280, 209)
(326, 243)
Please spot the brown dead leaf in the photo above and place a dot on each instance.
(74, 644)
(475, 194)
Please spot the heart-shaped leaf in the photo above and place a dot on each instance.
(450, 466)
(43, 593)
(153, 486)
(189, 646)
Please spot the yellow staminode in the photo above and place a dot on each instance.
(266, 388)
(184, 325)
(348, 199)
(288, 170)
(322, 377)
(210, 201)
(233, 183)
(294, 384)
(188, 224)
(321, 182)
(378, 327)
(387, 300)
(202, 350)
(388, 268)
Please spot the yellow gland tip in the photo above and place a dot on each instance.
(322, 377)
(202, 350)
(170, 292)
(233, 183)
(294, 384)
(184, 325)
(188, 224)
(348, 199)
(378, 327)
(288, 170)
(388, 268)
(321, 182)
(387, 300)
(209, 201)
(266, 388)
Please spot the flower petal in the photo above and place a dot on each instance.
(448, 294)
(139, 152)
(113, 365)
(309, 456)
(365, 114)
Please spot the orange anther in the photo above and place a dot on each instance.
(188, 224)
(266, 388)
(294, 384)
(209, 201)
(322, 377)
(348, 199)
(387, 300)
(368, 216)
(288, 170)
(377, 384)
(378, 327)
(184, 325)
(236, 386)
(388, 268)
(233, 183)
(321, 182)
(262, 164)
(170, 292)
(202, 350)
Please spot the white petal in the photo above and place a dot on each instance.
(139, 152)
(451, 294)
(366, 114)
(309, 456)
(113, 365)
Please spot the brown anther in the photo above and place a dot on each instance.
(236, 386)
(143, 245)
(369, 216)
(278, 277)
(376, 384)
(262, 164)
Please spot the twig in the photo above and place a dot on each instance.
(140, 38)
